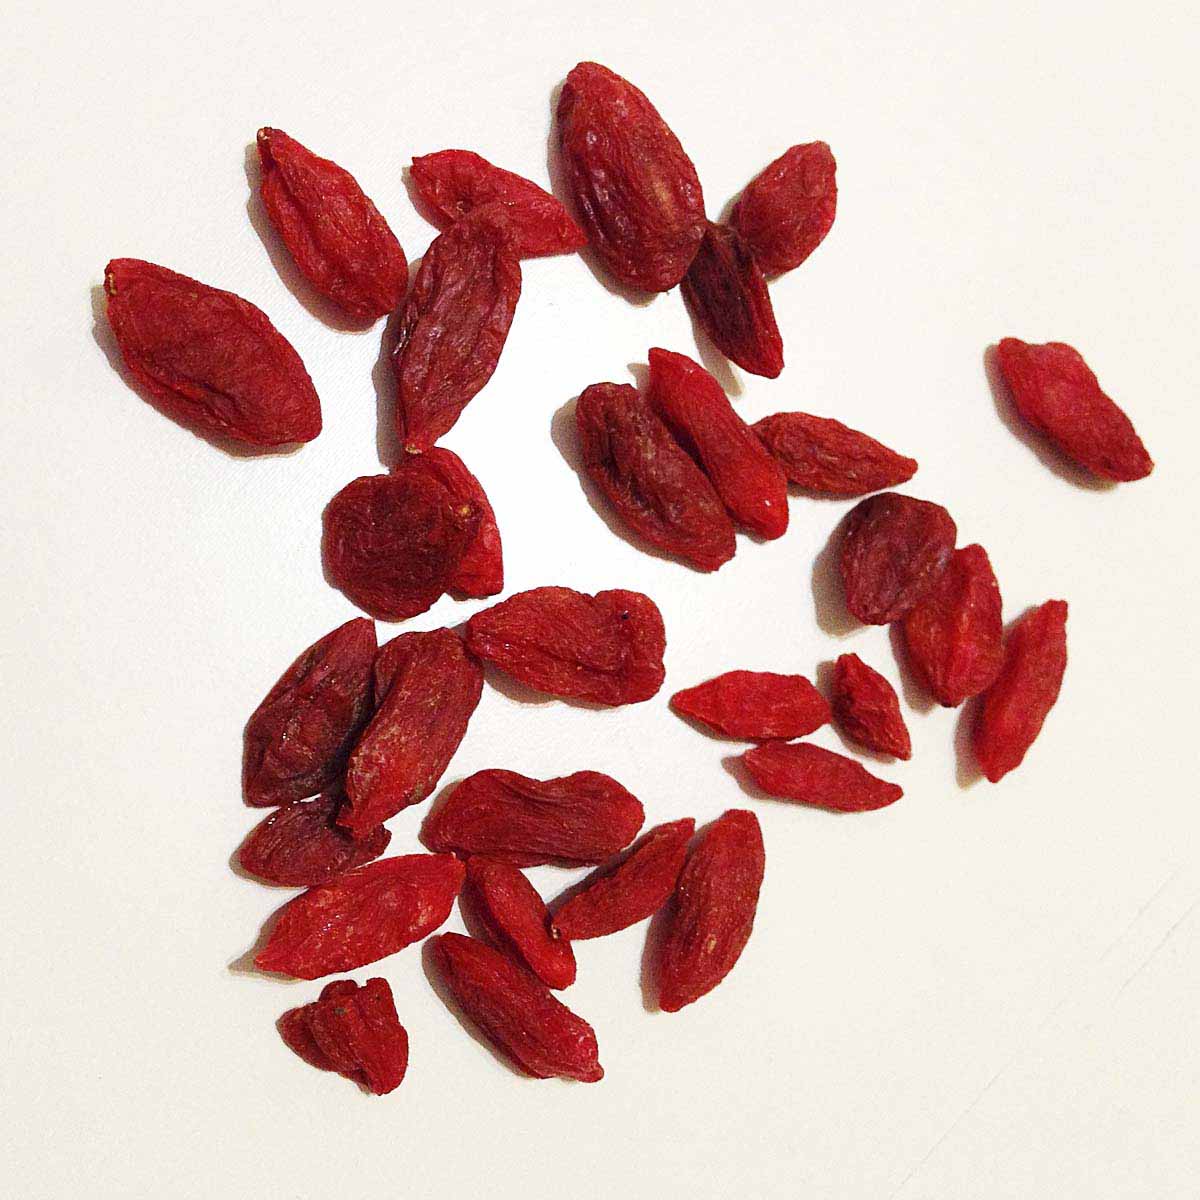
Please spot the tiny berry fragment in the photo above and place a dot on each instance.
(755, 705)
(807, 773)
(867, 709)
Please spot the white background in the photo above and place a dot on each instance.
(981, 993)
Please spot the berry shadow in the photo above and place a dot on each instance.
(966, 773)
(656, 932)
(388, 443)
(829, 602)
(244, 963)
(915, 694)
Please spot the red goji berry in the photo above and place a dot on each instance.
(515, 917)
(823, 455)
(341, 244)
(696, 410)
(607, 648)
(807, 773)
(453, 183)
(209, 359)
(867, 709)
(635, 191)
(362, 916)
(629, 891)
(1015, 707)
(649, 479)
(755, 705)
(516, 1012)
(893, 550)
(578, 819)
(1056, 393)
(712, 915)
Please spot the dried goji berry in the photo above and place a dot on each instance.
(812, 775)
(697, 411)
(299, 845)
(635, 191)
(712, 914)
(1056, 392)
(867, 709)
(954, 633)
(1014, 708)
(607, 648)
(394, 543)
(454, 324)
(629, 891)
(823, 455)
(362, 916)
(516, 918)
(341, 244)
(209, 359)
(649, 479)
(727, 294)
(352, 1030)
(453, 183)
(755, 705)
(893, 550)
(578, 819)
(431, 688)
(787, 209)
(516, 1012)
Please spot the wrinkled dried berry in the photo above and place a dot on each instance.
(1014, 708)
(787, 209)
(298, 739)
(607, 648)
(893, 550)
(209, 359)
(712, 914)
(698, 413)
(453, 183)
(755, 705)
(631, 890)
(824, 456)
(517, 921)
(804, 772)
(579, 819)
(727, 294)
(867, 709)
(516, 1012)
(649, 479)
(953, 635)
(635, 191)
(362, 916)
(339, 241)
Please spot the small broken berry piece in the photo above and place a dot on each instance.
(807, 773)
(755, 705)
(867, 709)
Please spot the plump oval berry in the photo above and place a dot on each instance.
(867, 709)
(812, 775)
(755, 705)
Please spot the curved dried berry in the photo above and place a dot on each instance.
(755, 705)
(807, 773)
(867, 709)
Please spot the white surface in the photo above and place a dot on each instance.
(978, 994)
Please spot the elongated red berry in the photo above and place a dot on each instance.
(755, 705)
(812, 775)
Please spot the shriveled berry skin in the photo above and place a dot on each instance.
(1015, 707)
(635, 191)
(297, 740)
(812, 775)
(454, 324)
(607, 648)
(694, 407)
(209, 359)
(516, 918)
(300, 844)
(954, 634)
(341, 244)
(362, 916)
(352, 1030)
(755, 705)
(787, 209)
(1057, 394)
(516, 1012)
(453, 183)
(394, 543)
(893, 550)
(578, 819)
(727, 294)
(649, 479)
(824, 456)
(630, 891)
(712, 915)
(432, 687)
(867, 709)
